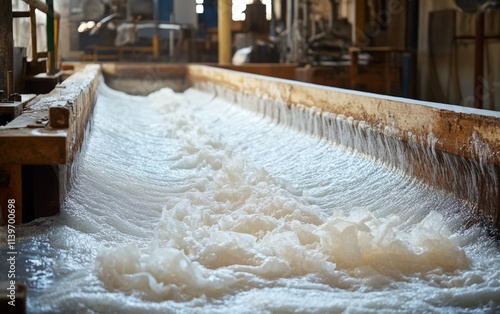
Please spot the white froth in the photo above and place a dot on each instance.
(185, 203)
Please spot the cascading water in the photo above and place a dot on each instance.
(187, 203)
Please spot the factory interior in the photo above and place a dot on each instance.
(426, 50)
(218, 156)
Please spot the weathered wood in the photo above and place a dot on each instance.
(459, 130)
(30, 148)
(14, 108)
(59, 116)
(33, 146)
(6, 42)
(27, 140)
(20, 14)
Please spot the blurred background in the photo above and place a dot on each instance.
(435, 50)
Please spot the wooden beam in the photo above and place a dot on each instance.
(479, 79)
(6, 42)
(454, 126)
(19, 14)
(28, 140)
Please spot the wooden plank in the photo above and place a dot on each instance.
(34, 53)
(20, 14)
(33, 146)
(29, 140)
(14, 108)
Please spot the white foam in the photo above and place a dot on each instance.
(185, 203)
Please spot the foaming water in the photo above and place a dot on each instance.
(186, 203)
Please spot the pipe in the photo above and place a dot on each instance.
(224, 30)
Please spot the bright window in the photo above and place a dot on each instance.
(199, 7)
(239, 7)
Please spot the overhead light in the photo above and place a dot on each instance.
(85, 26)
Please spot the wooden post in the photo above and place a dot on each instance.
(479, 64)
(50, 38)
(353, 71)
(10, 83)
(34, 51)
(224, 33)
(57, 23)
(360, 39)
(156, 46)
(6, 42)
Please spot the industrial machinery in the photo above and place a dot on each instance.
(118, 30)
(315, 33)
